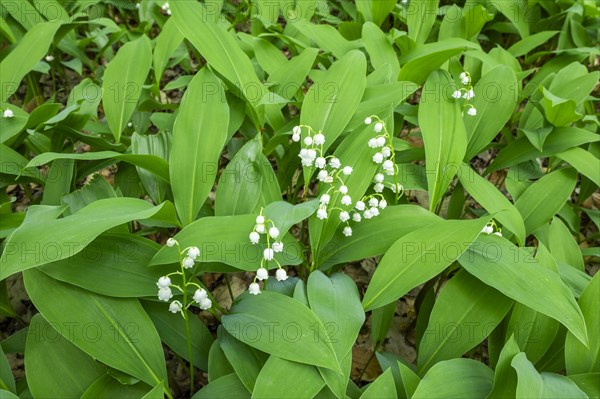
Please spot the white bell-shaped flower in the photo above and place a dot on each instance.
(171, 242)
(254, 237)
(163, 282)
(335, 163)
(205, 304)
(187, 262)
(277, 246)
(319, 139)
(175, 307)
(347, 170)
(262, 274)
(274, 232)
(346, 200)
(8, 113)
(344, 216)
(368, 120)
(165, 294)
(254, 289)
(200, 294)
(320, 162)
(347, 231)
(268, 254)
(193, 252)
(322, 213)
(378, 127)
(360, 206)
(281, 275)
(325, 198)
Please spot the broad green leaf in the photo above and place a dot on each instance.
(382, 388)
(518, 12)
(225, 239)
(533, 331)
(117, 332)
(245, 360)
(531, 384)
(199, 134)
(381, 320)
(379, 48)
(152, 163)
(15, 164)
(527, 44)
(247, 183)
(288, 78)
(218, 365)
(456, 378)
(220, 49)
(514, 272)
(7, 380)
(70, 235)
(157, 145)
(559, 140)
(228, 386)
(578, 358)
(419, 256)
(464, 314)
(276, 369)
(544, 198)
(114, 264)
(584, 161)
(171, 329)
(493, 201)
(378, 99)
(95, 189)
(419, 63)
(495, 100)
(166, 43)
(55, 189)
(443, 134)
(279, 325)
(55, 367)
(376, 11)
(588, 383)
(559, 111)
(32, 47)
(326, 37)
(336, 303)
(563, 246)
(122, 83)
(420, 19)
(332, 99)
(107, 386)
(505, 378)
(285, 215)
(410, 381)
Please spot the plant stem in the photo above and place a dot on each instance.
(189, 348)
(185, 314)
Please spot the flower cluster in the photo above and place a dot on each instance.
(166, 9)
(384, 156)
(492, 228)
(187, 259)
(467, 93)
(312, 152)
(262, 228)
